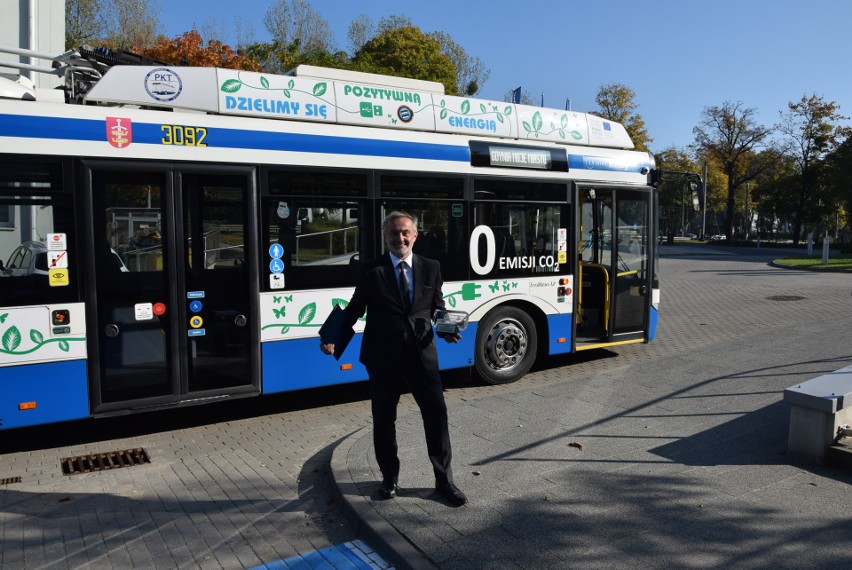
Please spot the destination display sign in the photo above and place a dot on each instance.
(517, 156)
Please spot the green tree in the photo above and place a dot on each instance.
(678, 170)
(811, 129)
(838, 179)
(296, 23)
(394, 22)
(730, 136)
(471, 73)
(618, 103)
(407, 52)
(775, 194)
(276, 57)
(132, 24)
(359, 33)
(84, 22)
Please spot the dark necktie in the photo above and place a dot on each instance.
(403, 284)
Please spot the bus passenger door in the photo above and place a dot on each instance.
(614, 269)
(632, 287)
(172, 278)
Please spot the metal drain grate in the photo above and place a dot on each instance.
(10, 480)
(785, 298)
(104, 461)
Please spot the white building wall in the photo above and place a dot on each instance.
(49, 16)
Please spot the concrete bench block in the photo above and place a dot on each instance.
(817, 408)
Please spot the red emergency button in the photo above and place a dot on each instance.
(159, 309)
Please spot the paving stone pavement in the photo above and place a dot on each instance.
(671, 455)
(678, 458)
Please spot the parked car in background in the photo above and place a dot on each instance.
(718, 237)
(29, 258)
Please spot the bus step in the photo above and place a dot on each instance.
(104, 461)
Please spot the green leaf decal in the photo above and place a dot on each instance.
(527, 126)
(3, 317)
(291, 84)
(285, 329)
(307, 313)
(443, 103)
(36, 336)
(320, 89)
(508, 110)
(339, 302)
(537, 122)
(483, 108)
(443, 114)
(564, 121)
(561, 133)
(11, 339)
(452, 301)
(64, 346)
(577, 135)
(231, 86)
(465, 107)
(286, 92)
(500, 117)
(264, 81)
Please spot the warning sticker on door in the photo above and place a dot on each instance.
(58, 278)
(57, 259)
(144, 311)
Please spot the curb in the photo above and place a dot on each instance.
(369, 526)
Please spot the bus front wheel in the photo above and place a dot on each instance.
(505, 345)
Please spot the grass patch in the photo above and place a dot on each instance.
(836, 262)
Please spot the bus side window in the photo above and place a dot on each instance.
(321, 240)
(33, 204)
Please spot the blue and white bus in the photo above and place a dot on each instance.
(171, 236)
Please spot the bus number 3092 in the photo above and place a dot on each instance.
(180, 135)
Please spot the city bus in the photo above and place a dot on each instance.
(172, 236)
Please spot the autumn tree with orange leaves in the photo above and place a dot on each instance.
(189, 49)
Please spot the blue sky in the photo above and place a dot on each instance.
(679, 56)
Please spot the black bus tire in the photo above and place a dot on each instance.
(506, 345)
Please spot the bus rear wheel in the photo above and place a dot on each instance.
(505, 345)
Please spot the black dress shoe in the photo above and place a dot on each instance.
(452, 493)
(388, 489)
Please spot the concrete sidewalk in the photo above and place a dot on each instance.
(678, 463)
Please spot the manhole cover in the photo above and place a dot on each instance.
(785, 298)
(104, 461)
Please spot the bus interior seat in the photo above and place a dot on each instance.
(504, 243)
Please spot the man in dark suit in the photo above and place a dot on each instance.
(401, 292)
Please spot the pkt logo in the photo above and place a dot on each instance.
(163, 84)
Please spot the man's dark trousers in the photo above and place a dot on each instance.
(385, 389)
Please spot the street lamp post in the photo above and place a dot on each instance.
(704, 203)
(683, 178)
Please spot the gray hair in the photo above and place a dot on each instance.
(397, 214)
